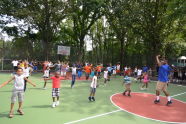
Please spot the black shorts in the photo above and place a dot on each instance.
(109, 73)
(15, 67)
(45, 77)
(99, 73)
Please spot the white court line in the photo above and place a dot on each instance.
(181, 86)
(72, 122)
(178, 94)
(91, 117)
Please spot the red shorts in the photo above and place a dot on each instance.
(117, 71)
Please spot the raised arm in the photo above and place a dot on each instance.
(5, 83)
(158, 60)
(34, 85)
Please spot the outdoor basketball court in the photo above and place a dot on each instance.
(110, 107)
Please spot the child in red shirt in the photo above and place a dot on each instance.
(55, 88)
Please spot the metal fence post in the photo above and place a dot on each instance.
(2, 64)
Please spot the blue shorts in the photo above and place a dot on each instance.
(35, 68)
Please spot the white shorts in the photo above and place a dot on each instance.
(114, 72)
(63, 73)
(19, 94)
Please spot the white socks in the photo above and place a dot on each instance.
(158, 97)
(169, 98)
(57, 103)
(53, 104)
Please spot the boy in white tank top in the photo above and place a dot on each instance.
(18, 90)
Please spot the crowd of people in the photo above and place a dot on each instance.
(65, 70)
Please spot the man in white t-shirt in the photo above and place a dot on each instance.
(15, 64)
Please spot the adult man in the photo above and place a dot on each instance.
(163, 73)
(15, 64)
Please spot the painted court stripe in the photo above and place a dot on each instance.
(72, 122)
(178, 94)
(91, 117)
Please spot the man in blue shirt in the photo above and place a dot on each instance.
(163, 73)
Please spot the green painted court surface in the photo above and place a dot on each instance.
(74, 103)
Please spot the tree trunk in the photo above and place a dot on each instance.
(122, 52)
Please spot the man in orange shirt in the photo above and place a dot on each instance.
(87, 69)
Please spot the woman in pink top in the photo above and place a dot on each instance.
(55, 88)
(145, 81)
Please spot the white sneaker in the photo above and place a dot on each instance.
(44, 88)
(142, 88)
(53, 104)
(57, 103)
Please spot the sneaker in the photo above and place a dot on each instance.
(11, 115)
(124, 93)
(156, 101)
(141, 88)
(129, 95)
(89, 99)
(93, 99)
(44, 88)
(168, 103)
(53, 104)
(57, 103)
(20, 112)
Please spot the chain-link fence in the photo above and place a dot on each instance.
(6, 64)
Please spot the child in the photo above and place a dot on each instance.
(67, 71)
(105, 76)
(87, 69)
(55, 88)
(74, 71)
(114, 71)
(118, 69)
(99, 68)
(63, 69)
(46, 75)
(145, 81)
(92, 72)
(109, 68)
(93, 86)
(127, 83)
(18, 90)
(139, 73)
(79, 70)
(135, 71)
(26, 73)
